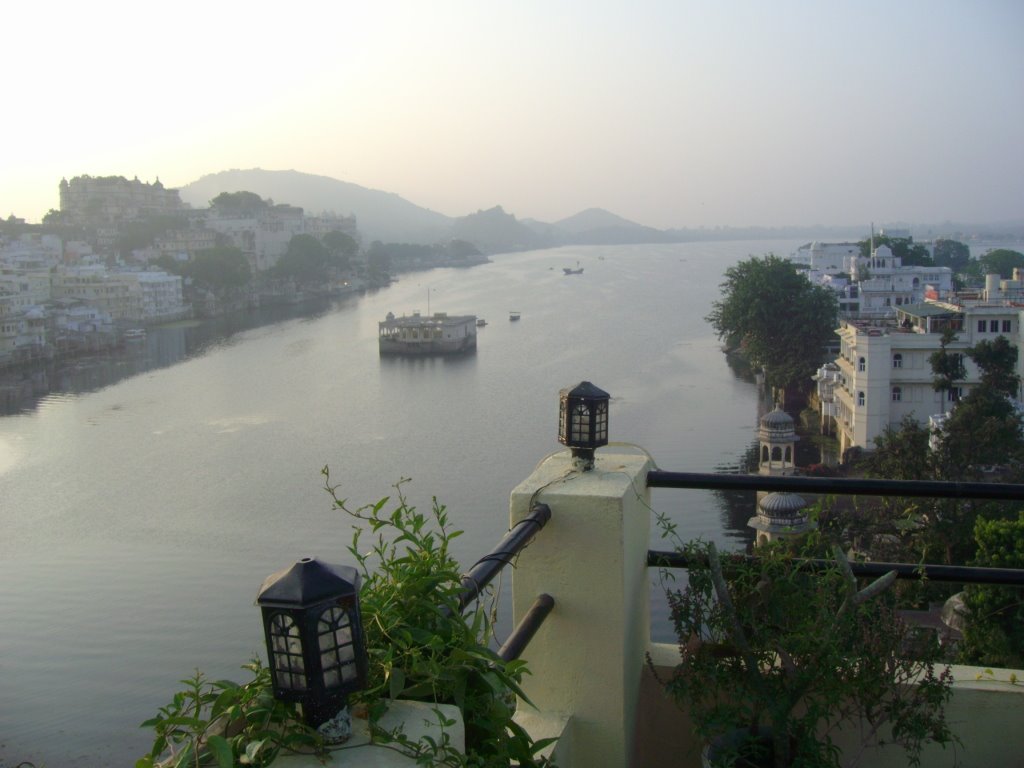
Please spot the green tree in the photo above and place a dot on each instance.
(341, 248)
(239, 203)
(220, 269)
(997, 360)
(1001, 261)
(952, 254)
(994, 632)
(900, 452)
(306, 260)
(911, 254)
(947, 367)
(378, 262)
(778, 319)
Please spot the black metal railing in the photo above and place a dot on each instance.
(490, 565)
(853, 487)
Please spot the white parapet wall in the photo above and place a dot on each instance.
(586, 660)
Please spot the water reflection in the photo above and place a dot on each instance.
(45, 384)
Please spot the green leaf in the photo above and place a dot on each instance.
(396, 683)
(222, 751)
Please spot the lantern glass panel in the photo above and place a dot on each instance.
(337, 648)
(580, 424)
(289, 670)
(601, 423)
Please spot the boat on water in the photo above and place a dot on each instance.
(571, 271)
(513, 316)
(135, 334)
(480, 322)
(437, 334)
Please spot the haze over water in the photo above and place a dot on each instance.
(140, 518)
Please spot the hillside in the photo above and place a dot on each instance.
(379, 215)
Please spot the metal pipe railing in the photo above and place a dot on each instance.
(490, 565)
(959, 574)
(527, 628)
(828, 485)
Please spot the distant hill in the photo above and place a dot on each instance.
(596, 226)
(379, 215)
(494, 231)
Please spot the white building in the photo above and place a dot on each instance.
(159, 294)
(884, 373)
(262, 236)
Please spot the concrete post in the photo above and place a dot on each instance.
(587, 658)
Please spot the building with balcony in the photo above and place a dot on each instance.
(883, 373)
(111, 200)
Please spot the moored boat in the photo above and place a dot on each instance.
(513, 316)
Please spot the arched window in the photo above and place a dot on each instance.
(897, 360)
(789, 455)
(860, 398)
(777, 453)
(764, 453)
(897, 394)
(862, 364)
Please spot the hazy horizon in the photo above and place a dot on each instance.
(670, 114)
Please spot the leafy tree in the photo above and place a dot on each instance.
(947, 367)
(378, 261)
(239, 203)
(171, 265)
(220, 269)
(143, 232)
(1001, 261)
(952, 254)
(53, 216)
(306, 260)
(912, 254)
(341, 249)
(997, 360)
(901, 452)
(778, 319)
(994, 632)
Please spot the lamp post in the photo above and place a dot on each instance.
(316, 649)
(583, 422)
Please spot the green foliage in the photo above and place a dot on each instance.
(219, 269)
(994, 632)
(378, 262)
(1001, 261)
(341, 244)
(911, 254)
(947, 367)
(306, 260)
(766, 642)
(421, 646)
(952, 254)
(997, 360)
(224, 724)
(776, 317)
(240, 203)
(141, 233)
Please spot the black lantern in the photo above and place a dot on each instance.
(315, 646)
(583, 421)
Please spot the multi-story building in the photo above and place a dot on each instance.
(114, 199)
(262, 235)
(159, 294)
(95, 286)
(883, 372)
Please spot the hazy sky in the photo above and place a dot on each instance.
(675, 113)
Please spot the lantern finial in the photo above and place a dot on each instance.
(583, 421)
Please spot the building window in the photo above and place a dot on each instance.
(993, 326)
(897, 394)
(953, 395)
(860, 398)
(862, 364)
(1006, 326)
(981, 326)
(897, 360)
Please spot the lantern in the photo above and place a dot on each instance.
(315, 645)
(583, 421)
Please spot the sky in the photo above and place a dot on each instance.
(672, 114)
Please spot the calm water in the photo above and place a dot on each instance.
(139, 518)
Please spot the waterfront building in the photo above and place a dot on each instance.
(778, 515)
(439, 333)
(159, 294)
(263, 235)
(95, 286)
(883, 373)
(114, 199)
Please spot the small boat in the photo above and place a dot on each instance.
(571, 271)
(480, 322)
(135, 334)
(513, 316)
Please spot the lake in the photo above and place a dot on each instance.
(144, 500)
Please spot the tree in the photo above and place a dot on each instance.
(901, 452)
(220, 269)
(306, 260)
(239, 203)
(947, 367)
(1001, 261)
(994, 631)
(341, 248)
(910, 253)
(952, 254)
(378, 262)
(778, 319)
(997, 360)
